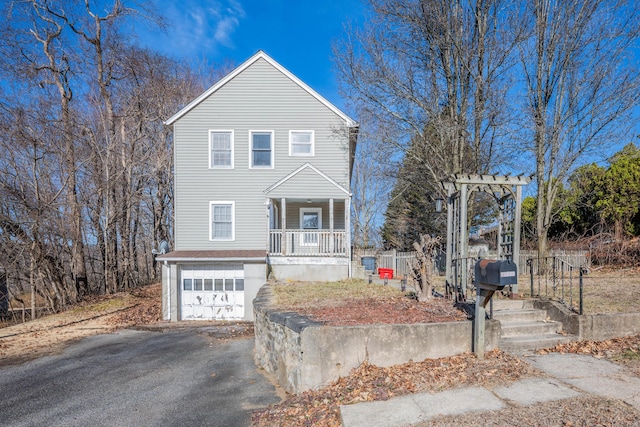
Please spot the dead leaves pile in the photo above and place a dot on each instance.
(369, 383)
(625, 350)
(144, 311)
(389, 310)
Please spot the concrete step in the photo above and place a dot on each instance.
(524, 344)
(522, 315)
(510, 304)
(518, 329)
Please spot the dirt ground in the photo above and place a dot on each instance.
(50, 334)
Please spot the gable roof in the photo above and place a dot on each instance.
(260, 55)
(290, 178)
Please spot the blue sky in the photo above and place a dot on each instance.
(297, 34)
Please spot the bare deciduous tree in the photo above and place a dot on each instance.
(582, 83)
(86, 174)
(432, 74)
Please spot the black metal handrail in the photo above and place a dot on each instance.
(556, 279)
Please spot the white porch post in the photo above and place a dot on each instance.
(331, 236)
(267, 203)
(283, 213)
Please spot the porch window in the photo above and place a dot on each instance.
(301, 143)
(221, 149)
(261, 149)
(222, 220)
(310, 219)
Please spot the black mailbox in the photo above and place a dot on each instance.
(494, 275)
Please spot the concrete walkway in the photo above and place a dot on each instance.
(572, 375)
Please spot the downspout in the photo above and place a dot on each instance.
(168, 270)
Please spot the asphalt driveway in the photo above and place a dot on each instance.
(138, 378)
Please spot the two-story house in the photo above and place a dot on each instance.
(262, 167)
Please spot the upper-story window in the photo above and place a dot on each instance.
(301, 143)
(221, 149)
(222, 220)
(261, 149)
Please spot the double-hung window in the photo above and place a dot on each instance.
(301, 143)
(221, 149)
(261, 149)
(222, 220)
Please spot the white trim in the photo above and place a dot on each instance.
(212, 131)
(259, 55)
(233, 220)
(273, 149)
(274, 216)
(313, 143)
(303, 241)
(314, 210)
(313, 168)
(179, 261)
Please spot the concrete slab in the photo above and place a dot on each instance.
(458, 401)
(596, 376)
(397, 411)
(566, 366)
(585, 373)
(419, 407)
(535, 390)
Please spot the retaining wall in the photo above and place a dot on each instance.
(594, 327)
(303, 354)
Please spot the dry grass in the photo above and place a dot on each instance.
(322, 294)
(100, 315)
(612, 292)
(116, 302)
(604, 291)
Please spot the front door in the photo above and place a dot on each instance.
(310, 219)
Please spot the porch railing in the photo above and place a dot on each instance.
(308, 242)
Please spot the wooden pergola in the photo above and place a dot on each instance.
(507, 192)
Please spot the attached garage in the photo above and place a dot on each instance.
(215, 292)
(211, 285)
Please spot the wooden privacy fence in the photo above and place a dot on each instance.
(574, 258)
(402, 262)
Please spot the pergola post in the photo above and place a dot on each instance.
(459, 189)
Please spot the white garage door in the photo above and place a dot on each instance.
(215, 292)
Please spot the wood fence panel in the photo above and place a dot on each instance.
(401, 262)
(575, 258)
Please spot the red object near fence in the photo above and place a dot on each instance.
(385, 273)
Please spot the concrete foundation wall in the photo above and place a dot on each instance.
(595, 327)
(309, 268)
(304, 355)
(599, 327)
(255, 275)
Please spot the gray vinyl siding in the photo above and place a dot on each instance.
(298, 187)
(259, 98)
(293, 214)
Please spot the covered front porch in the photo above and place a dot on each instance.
(308, 227)
(308, 236)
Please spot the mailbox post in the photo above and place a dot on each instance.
(489, 276)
